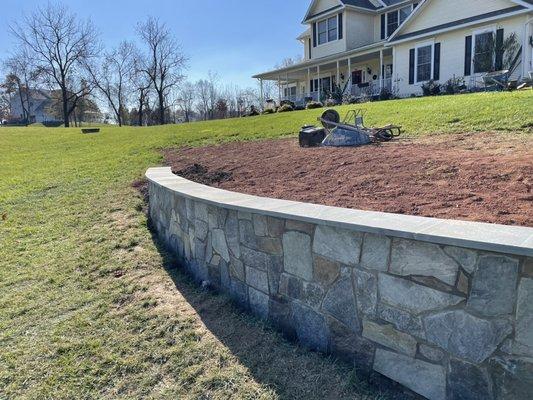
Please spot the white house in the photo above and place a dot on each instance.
(39, 103)
(367, 45)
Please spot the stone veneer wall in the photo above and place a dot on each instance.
(447, 322)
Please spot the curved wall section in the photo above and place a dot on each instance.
(443, 307)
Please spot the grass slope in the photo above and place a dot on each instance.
(87, 308)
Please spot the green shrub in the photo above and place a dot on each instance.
(454, 85)
(331, 103)
(285, 108)
(431, 88)
(314, 104)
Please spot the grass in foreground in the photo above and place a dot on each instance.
(87, 309)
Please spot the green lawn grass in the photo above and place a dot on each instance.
(87, 307)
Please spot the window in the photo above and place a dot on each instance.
(392, 22)
(328, 30)
(424, 62)
(404, 13)
(289, 92)
(483, 52)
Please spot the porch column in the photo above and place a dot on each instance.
(308, 81)
(287, 86)
(338, 73)
(261, 96)
(381, 70)
(279, 89)
(319, 83)
(350, 74)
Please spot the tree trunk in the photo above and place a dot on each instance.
(141, 102)
(161, 108)
(64, 99)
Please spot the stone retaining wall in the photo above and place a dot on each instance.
(422, 301)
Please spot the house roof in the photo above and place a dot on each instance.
(360, 3)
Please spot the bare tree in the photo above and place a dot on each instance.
(203, 91)
(61, 44)
(141, 85)
(112, 78)
(186, 97)
(164, 62)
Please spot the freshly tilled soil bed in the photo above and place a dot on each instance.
(479, 177)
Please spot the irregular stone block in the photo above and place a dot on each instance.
(513, 347)
(428, 380)
(464, 335)
(524, 313)
(274, 270)
(312, 294)
(431, 353)
(350, 347)
(293, 225)
(239, 293)
(258, 303)
(466, 381)
(493, 290)
(254, 258)
(270, 245)
(290, 286)
(402, 320)
(311, 327)
(236, 269)
(244, 215)
(462, 283)
(389, 337)
(260, 225)
(512, 378)
(527, 267)
(366, 292)
(275, 227)
(340, 303)
(376, 252)
(257, 279)
(225, 279)
(412, 297)
(219, 244)
(411, 257)
(247, 235)
(325, 271)
(297, 255)
(337, 244)
(200, 211)
(280, 316)
(465, 257)
(232, 233)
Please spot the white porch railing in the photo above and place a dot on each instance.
(371, 88)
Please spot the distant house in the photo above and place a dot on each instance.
(40, 102)
(365, 46)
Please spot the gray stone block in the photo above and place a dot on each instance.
(512, 377)
(232, 233)
(258, 303)
(270, 245)
(325, 271)
(389, 337)
(297, 255)
(524, 313)
(431, 353)
(493, 290)
(280, 316)
(312, 294)
(376, 252)
(338, 244)
(464, 335)
(410, 257)
(246, 234)
(274, 270)
(219, 244)
(236, 269)
(340, 303)
(225, 278)
(428, 380)
(260, 225)
(468, 382)
(254, 258)
(349, 346)
(293, 225)
(275, 227)
(257, 279)
(402, 320)
(366, 292)
(200, 211)
(239, 293)
(311, 327)
(412, 297)
(290, 286)
(465, 257)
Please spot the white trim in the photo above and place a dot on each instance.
(313, 3)
(453, 28)
(416, 11)
(326, 19)
(430, 44)
(523, 3)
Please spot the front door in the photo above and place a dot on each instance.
(357, 77)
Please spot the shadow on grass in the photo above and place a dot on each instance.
(289, 370)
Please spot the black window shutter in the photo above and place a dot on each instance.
(436, 62)
(310, 47)
(411, 67)
(340, 26)
(468, 55)
(314, 34)
(383, 26)
(499, 50)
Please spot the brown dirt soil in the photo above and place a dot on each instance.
(478, 177)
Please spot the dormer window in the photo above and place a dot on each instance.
(328, 30)
(392, 20)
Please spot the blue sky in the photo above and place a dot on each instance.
(235, 38)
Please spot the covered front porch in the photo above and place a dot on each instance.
(358, 75)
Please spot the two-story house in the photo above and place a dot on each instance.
(364, 46)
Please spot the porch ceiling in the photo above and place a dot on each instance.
(299, 71)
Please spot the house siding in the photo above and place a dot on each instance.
(441, 12)
(452, 53)
(359, 29)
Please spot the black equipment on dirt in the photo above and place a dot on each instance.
(311, 136)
